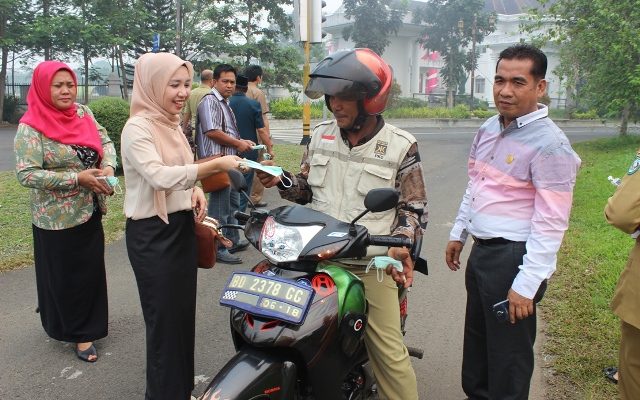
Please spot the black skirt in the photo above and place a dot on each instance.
(164, 258)
(71, 281)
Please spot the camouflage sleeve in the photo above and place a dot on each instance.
(298, 190)
(413, 208)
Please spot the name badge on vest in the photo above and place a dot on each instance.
(381, 149)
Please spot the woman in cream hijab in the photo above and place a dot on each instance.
(160, 203)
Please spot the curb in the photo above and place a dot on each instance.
(403, 123)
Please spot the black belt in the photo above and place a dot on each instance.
(492, 241)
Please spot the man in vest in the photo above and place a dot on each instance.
(345, 159)
(623, 212)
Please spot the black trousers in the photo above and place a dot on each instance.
(164, 258)
(498, 357)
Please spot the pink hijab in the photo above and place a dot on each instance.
(64, 126)
(152, 74)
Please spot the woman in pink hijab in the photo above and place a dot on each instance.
(60, 150)
(160, 202)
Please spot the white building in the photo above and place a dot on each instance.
(413, 66)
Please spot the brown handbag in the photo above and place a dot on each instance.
(208, 235)
(216, 181)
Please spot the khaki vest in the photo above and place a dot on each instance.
(356, 171)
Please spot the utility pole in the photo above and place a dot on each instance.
(308, 17)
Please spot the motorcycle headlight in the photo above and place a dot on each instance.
(284, 243)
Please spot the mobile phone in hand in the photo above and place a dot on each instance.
(105, 182)
(501, 310)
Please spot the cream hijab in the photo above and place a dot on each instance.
(150, 79)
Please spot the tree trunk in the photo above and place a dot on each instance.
(45, 14)
(3, 79)
(5, 60)
(125, 87)
(624, 123)
(86, 76)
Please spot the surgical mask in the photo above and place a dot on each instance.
(115, 184)
(381, 263)
(269, 169)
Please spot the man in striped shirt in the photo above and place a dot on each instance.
(218, 134)
(522, 171)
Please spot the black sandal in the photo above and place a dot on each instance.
(85, 354)
(610, 373)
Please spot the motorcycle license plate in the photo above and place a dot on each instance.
(267, 296)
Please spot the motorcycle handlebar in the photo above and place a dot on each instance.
(389, 241)
(241, 217)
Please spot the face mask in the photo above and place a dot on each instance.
(269, 169)
(381, 263)
(115, 184)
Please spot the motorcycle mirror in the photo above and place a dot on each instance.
(377, 200)
(239, 184)
(237, 181)
(381, 199)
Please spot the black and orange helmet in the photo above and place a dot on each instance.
(355, 74)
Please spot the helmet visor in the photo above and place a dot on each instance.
(346, 90)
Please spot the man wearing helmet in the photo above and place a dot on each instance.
(345, 158)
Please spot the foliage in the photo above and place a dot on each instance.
(459, 112)
(385, 15)
(15, 21)
(409, 102)
(439, 19)
(10, 108)
(394, 94)
(587, 55)
(484, 114)
(251, 19)
(156, 16)
(112, 113)
(582, 333)
(545, 99)
(286, 71)
(291, 108)
(591, 114)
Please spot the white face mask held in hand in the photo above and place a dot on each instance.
(381, 263)
(269, 169)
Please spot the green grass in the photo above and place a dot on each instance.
(583, 335)
(16, 240)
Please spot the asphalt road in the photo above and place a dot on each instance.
(35, 366)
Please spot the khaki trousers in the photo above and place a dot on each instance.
(629, 362)
(383, 339)
(257, 189)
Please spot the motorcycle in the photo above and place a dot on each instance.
(298, 326)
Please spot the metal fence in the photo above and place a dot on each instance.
(440, 99)
(20, 92)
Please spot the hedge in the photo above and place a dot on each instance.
(112, 113)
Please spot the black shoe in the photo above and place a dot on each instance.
(85, 354)
(227, 258)
(261, 204)
(243, 244)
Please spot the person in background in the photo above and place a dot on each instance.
(254, 73)
(217, 134)
(60, 152)
(522, 171)
(251, 127)
(623, 212)
(190, 110)
(161, 205)
(345, 159)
